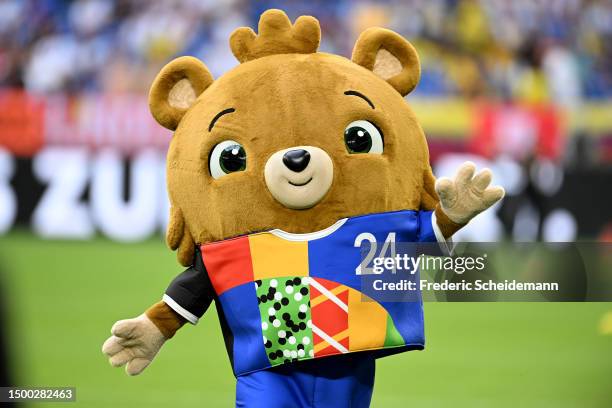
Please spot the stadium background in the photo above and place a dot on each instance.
(524, 87)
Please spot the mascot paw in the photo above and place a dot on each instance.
(134, 343)
(467, 195)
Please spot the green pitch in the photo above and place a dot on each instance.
(63, 297)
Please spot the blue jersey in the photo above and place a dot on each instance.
(288, 297)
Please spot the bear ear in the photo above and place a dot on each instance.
(389, 56)
(176, 88)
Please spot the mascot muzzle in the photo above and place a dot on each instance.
(299, 177)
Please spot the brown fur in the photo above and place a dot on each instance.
(286, 94)
(163, 92)
(165, 319)
(367, 48)
(276, 36)
(284, 100)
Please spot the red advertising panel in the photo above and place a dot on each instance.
(21, 122)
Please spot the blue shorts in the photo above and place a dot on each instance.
(343, 381)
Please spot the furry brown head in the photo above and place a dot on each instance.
(291, 138)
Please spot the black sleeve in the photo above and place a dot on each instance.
(191, 292)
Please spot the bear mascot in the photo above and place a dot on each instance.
(279, 172)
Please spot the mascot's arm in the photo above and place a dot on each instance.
(135, 342)
(464, 197)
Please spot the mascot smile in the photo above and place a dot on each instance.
(279, 173)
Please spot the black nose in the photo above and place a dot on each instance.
(296, 160)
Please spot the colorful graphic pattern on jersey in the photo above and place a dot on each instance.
(287, 300)
(285, 318)
(329, 308)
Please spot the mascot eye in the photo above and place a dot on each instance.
(362, 136)
(227, 157)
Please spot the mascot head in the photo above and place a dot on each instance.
(292, 138)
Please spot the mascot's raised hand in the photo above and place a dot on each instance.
(467, 195)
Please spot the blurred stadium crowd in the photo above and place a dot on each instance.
(539, 50)
(523, 87)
